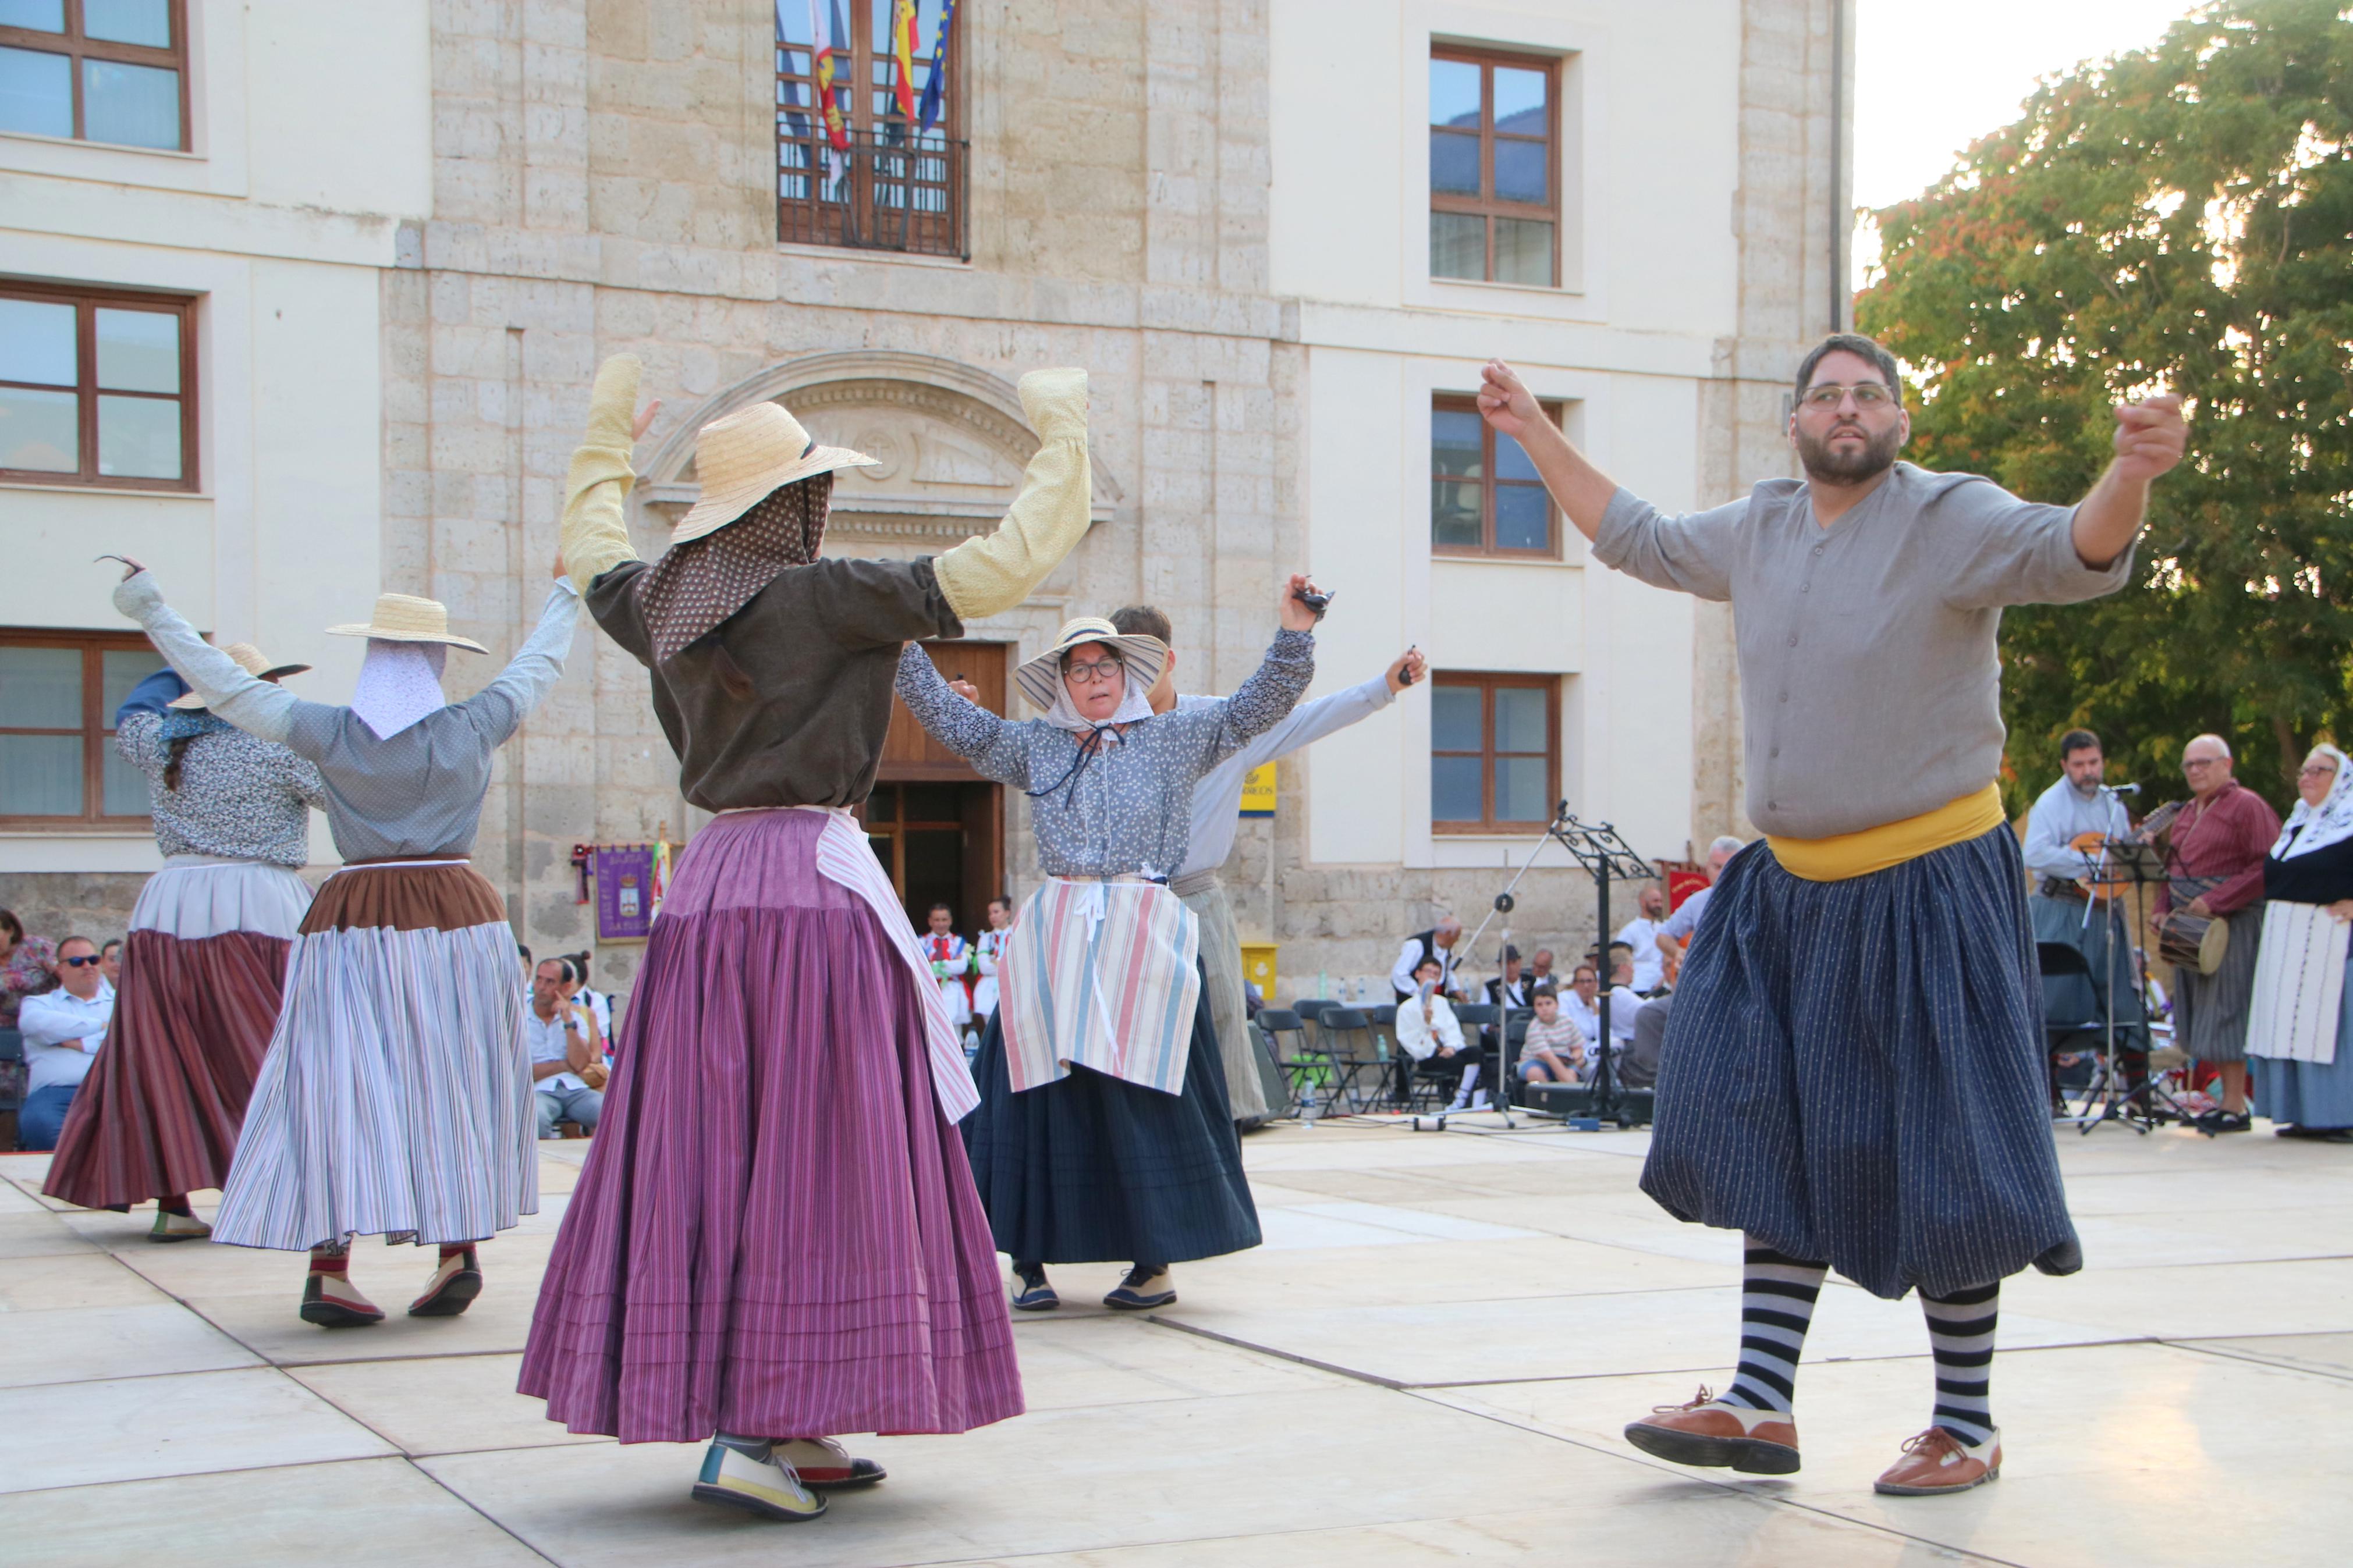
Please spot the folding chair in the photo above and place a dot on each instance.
(1384, 1038)
(1349, 1045)
(1303, 1066)
(2059, 959)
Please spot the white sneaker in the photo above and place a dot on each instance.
(765, 1487)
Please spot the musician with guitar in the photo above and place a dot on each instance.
(2072, 905)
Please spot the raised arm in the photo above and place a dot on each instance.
(1581, 491)
(507, 702)
(2149, 440)
(998, 750)
(254, 706)
(988, 575)
(596, 535)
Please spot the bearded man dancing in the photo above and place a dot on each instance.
(1853, 1073)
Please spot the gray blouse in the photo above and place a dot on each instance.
(1129, 808)
(239, 796)
(416, 792)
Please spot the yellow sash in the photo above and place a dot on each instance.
(1845, 855)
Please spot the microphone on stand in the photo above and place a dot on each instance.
(2121, 788)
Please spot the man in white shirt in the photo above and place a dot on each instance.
(2076, 808)
(1674, 933)
(63, 1029)
(562, 1046)
(1427, 1027)
(1437, 942)
(1582, 1007)
(1641, 934)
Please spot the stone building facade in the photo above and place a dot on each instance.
(1147, 197)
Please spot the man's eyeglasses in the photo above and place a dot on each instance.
(2190, 762)
(1867, 395)
(1089, 674)
(89, 962)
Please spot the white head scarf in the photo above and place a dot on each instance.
(1136, 704)
(400, 682)
(2311, 828)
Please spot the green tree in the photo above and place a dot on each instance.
(2178, 219)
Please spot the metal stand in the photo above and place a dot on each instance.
(1607, 858)
(2120, 864)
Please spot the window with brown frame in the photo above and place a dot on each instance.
(1485, 495)
(97, 388)
(96, 70)
(1494, 167)
(898, 185)
(1494, 752)
(58, 691)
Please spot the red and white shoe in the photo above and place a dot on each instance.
(1710, 1431)
(825, 1465)
(1936, 1462)
(333, 1301)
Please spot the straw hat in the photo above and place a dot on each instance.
(1040, 678)
(403, 617)
(248, 659)
(741, 460)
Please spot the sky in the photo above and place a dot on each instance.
(1931, 79)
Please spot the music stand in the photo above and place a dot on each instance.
(2118, 864)
(1606, 858)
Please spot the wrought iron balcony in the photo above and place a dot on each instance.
(896, 189)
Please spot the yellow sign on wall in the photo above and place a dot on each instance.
(1258, 968)
(1258, 791)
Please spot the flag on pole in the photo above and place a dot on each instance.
(824, 38)
(935, 88)
(902, 56)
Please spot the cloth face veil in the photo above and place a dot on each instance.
(2311, 828)
(400, 682)
(698, 585)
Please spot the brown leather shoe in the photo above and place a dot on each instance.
(1707, 1431)
(1936, 1462)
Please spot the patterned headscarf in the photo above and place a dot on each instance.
(400, 684)
(700, 584)
(2310, 828)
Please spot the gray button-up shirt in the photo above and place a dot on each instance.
(1869, 676)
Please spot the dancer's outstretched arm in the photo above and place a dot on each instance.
(1260, 703)
(254, 706)
(996, 748)
(1578, 488)
(509, 700)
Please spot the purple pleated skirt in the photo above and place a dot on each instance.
(775, 1234)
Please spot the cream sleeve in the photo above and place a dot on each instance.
(595, 534)
(986, 576)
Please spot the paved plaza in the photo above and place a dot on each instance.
(1428, 1361)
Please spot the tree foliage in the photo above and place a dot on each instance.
(2176, 219)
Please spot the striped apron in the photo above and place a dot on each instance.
(1099, 973)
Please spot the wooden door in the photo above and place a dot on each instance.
(911, 756)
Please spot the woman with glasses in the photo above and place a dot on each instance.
(2299, 1031)
(1104, 1132)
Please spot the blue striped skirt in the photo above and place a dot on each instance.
(1094, 1169)
(1854, 1073)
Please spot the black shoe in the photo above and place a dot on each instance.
(2224, 1121)
(2315, 1134)
(1030, 1291)
(1147, 1286)
(452, 1288)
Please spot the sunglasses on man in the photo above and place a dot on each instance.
(84, 963)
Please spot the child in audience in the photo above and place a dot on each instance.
(1554, 1050)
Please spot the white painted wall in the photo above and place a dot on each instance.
(277, 221)
(1648, 108)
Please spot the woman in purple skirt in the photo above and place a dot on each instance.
(776, 1239)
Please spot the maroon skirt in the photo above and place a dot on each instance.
(775, 1234)
(159, 1114)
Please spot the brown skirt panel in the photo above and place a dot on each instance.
(447, 896)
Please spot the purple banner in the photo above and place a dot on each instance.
(626, 892)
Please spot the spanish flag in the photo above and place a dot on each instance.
(902, 56)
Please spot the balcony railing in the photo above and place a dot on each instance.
(897, 191)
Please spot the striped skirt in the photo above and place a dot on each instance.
(203, 969)
(1094, 1169)
(2210, 1011)
(395, 1099)
(775, 1232)
(1221, 974)
(1853, 1073)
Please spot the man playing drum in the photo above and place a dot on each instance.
(2219, 842)
(2069, 906)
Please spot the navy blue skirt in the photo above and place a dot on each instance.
(1094, 1169)
(1854, 1073)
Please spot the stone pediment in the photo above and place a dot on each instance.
(949, 444)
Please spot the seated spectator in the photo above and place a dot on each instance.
(110, 962)
(1540, 969)
(1583, 1007)
(1638, 1065)
(1439, 943)
(63, 1030)
(1427, 1029)
(1641, 934)
(562, 1037)
(577, 989)
(1508, 990)
(1554, 1050)
(27, 966)
(1674, 934)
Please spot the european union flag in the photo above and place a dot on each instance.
(935, 88)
